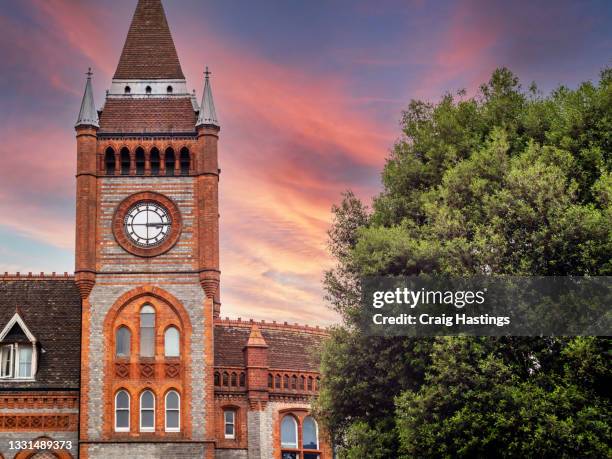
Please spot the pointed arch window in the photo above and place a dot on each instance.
(125, 161)
(140, 161)
(170, 160)
(289, 432)
(147, 411)
(172, 342)
(122, 411)
(155, 161)
(185, 161)
(173, 411)
(310, 433)
(109, 161)
(123, 337)
(147, 331)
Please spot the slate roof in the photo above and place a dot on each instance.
(149, 52)
(167, 115)
(289, 348)
(51, 309)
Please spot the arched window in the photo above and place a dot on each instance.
(125, 161)
(217, 379)
(310, 433)
(109, 161)
(171, 342)
(173, 411)
(140, 161)
(225, 379)
(289, 432)
(127, 90)
(302, 383)
(286, 382)
(147, 331)
(294, 382)
(169, 89)
(122, 342)
(185, 161)
(270, 381)
(242, 379)
(234, 380)
(147, 411)
(310, 383)
(170, 161)
(122, 411)
(148, 89)
(277, 382)
(155, 162)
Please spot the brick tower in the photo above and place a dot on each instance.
(147, 254)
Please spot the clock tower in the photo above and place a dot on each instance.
(147, 254)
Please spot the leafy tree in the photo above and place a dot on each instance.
(509, 182)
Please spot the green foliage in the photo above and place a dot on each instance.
(509, 182)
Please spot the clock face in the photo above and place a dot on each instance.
(147, 223)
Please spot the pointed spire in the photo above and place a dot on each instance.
(256, 339)
(149, 52)
(208, 115)
(88, 116)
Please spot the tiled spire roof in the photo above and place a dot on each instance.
(88, 115)
(208, 115)
(149, 52)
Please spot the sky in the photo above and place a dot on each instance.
(309, 95)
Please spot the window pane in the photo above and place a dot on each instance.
(6, 361)
(147, 400)
(122, 342)
(229, 416)
(311, 456)
(147, 420)
(25, 361)
(171, 342)
(172, 419)
(123, 400)
(147, 342)
(123, 419)
(172, 401)
(229, 429)
(290, 455)
(289, 432)
(309, 433)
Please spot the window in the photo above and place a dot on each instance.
(147, 331)
(270, 381)
(140, 161)
(109, 161)
(122, 411)
(310, 433)
(147, 411)
(169, 89)
(173, 411)
(125, 161)
(16, 361)
(155, 162)
(171, 342)
(122, 342)
(169, 161)
(185, 161)
(217, 379)
(229, 419)
(127, 90)
(148, 89)
(6, 361)
(304, 446)
(24, 368)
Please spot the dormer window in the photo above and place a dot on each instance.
(127, 90)
(148, 90)
(17, 351)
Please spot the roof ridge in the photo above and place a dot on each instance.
(272, 325)
(39, 276)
